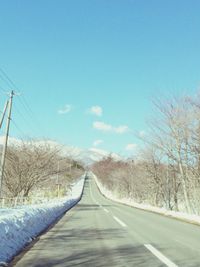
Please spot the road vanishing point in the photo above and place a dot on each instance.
(99, 232)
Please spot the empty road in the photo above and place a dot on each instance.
(100, 232)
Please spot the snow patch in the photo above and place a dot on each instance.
(191, 218)
(20, 226)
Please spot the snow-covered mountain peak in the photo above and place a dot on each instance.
(86, 156)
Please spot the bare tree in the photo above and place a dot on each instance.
(30, 165)
(167, 172)
(172, 134)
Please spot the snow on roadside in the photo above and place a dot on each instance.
(21, 225)
(191, 218)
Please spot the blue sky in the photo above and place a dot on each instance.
(80, 54)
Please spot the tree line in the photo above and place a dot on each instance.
(31, 168)
(166, 170)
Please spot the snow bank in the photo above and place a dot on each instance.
(20, 226)
(191, 218)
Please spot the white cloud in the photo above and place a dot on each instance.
(66, 109)
(102, 126)
(109, 128)
(131, 147)
(96, 110)
(97, 142)
(121, 129)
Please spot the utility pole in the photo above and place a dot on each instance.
(4, 113)
(3, 157)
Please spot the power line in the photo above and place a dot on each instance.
(15, 124)
(29, 111)
(7, 77)
(4, 80)
(22, 99)
(8, 80)
(27, 121)
(27, 107)
(3, 90)
(19, 129)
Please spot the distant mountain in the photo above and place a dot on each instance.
(92, 155)
(86, 156)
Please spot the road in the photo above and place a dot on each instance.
(99, 232)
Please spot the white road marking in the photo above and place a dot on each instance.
(93, 197)
(160, 256)
(120, 222)
(106, 210)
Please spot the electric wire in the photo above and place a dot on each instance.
(24, 118)
(7, 77)
(20, 130)
(29, 112)
(17, 127)
(4, 76)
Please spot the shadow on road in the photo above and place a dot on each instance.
(121, 256)
(86, 237)
(89, 207)
(87, 247)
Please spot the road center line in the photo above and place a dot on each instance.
(160, 256)
(120, 222)
(106, 210)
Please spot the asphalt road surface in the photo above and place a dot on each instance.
(99, 232)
